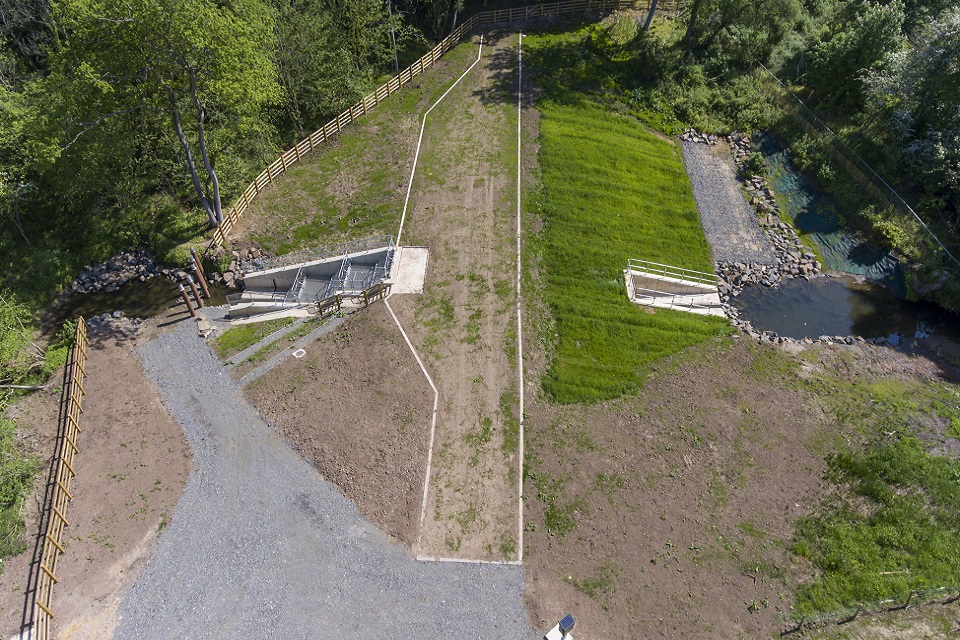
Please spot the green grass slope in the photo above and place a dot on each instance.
(611, 191)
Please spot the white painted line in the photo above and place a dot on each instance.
(510, 563)
(416, 155)
(433, 421)
(403, 217)
(519, 314)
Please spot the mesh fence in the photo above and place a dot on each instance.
(915, 597)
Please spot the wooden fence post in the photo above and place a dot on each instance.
(193, 290)
(186, 300)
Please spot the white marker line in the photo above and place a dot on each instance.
(433, 421)
(508, 563)
(416, 155)
(403, 217)
(519, 315)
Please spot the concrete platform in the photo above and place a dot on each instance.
(410, 270)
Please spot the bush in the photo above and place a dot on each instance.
(754, 165)
(17, 470)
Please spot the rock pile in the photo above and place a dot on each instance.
(115, 325)
(124, 267)
(793, 259)
(692, 135)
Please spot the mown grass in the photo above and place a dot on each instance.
(354, 187)
(234, 340)
(611, 191)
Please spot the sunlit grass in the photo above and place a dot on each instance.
(611, 191)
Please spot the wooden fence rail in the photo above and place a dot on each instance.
(330, 130)
(62, 474)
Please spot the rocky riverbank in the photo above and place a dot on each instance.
(793, 259)
(129, 266)
(140, 265)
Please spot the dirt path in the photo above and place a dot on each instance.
(132, 464)
(463, 208)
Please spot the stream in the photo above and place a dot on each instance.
(866, 301)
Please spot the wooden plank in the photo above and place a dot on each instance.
(45, 608)
(54, 543)
(60, 515)
(43, 567)
(63, 488)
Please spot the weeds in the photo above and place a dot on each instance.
(236, 339)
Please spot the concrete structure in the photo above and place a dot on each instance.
(288, 287)
(659, 285)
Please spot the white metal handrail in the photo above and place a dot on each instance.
(668, 271)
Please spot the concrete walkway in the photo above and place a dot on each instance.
(260, 546)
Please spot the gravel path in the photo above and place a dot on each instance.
(728, 220)
(260, 546)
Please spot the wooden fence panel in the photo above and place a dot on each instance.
(63, 465)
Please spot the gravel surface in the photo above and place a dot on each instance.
(260, 546)
(728, 219)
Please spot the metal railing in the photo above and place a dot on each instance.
(54, 518)
(320, 253)
(668, 271)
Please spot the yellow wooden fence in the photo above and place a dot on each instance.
(63, 472)
(369, 102)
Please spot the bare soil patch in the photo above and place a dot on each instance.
(131, 468)
(358, 409)
(463, 208)
(679, 504)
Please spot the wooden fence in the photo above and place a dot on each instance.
(61, 475)
(369, 102)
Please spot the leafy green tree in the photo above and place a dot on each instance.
(206, 67)
(739, 33)
(858, 39)
(915, 98)
(329, 54)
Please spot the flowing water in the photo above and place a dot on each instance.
(869, 305)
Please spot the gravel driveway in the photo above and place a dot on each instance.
(260, 546)
(728, 220)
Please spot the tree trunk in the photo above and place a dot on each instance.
(204, 202)
(653, 10)
(692, 24)
(218, 211)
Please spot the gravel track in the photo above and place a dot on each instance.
(260, 546)
(728, 220)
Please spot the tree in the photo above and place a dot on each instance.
(744, 31)
(857, 42)
(915, 95)
(206, 66)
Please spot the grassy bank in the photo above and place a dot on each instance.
(354, 187)
(890, 526)
(611, 190)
